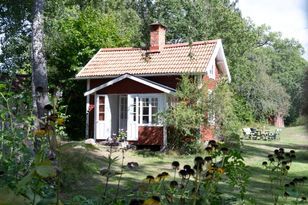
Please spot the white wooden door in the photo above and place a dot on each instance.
(132, 117)
(103, 117)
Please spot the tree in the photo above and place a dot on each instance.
(75, 35)
(222, 106)
(39, 69)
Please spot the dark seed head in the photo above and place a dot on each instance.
(287, 167)
(199, 160)
(304, 178)
(276, 151)
(215, 146)
(165, 174)
(224, 150)
(271, 159)
(190, 172)
(186, 167)
(264, 163)
(150, 177)
(208, 159)
(284, 162)
(156, 198)
(183, 173)
(304, 198)
(281, 150)
(175, 165)
(292, 151)
(286, 185)
(136, 202)
(208, 149)
(286, 194)
(270, 156)
(212, 142)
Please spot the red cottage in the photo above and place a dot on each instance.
(126, 87)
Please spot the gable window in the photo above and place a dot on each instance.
(211, 71)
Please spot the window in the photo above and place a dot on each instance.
(145, 110)
(145, 114)
(211, 71)
(101, 108)
(154, 109)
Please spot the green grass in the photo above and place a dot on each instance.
(255, 152)
(150, 163)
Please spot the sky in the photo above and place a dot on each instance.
(289, 17)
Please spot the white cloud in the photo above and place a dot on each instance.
(287, 17)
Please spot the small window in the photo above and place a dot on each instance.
(101, 108)
(211, 72)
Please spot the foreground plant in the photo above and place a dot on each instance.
(278, 165)
(201, 182)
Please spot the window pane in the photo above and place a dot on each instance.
(145, 111)
(145, 119)
(102, 100)
(154, 102)
(145, 102)
(101, 116)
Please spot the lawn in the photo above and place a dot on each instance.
(91, 184)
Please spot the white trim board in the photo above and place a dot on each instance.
(146, 82)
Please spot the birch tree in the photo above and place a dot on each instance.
(39, 69)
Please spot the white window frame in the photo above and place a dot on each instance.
(139, 110)
(211, 71)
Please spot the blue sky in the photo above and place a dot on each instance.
(286, 16)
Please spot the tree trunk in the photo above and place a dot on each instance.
(39, 70)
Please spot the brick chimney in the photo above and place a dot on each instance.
(157, 37)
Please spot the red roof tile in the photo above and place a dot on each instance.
(173, 59)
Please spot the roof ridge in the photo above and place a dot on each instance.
(120, 49)
(166, 46)
(196, 43)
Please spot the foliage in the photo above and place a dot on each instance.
(24, 173)
(74, 37)
(200, 183)
(305, 97)
(278, 166)
(188, 114)
(222, 107)
(15, 131)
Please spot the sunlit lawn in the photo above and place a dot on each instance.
(153, 163)
(255, 152)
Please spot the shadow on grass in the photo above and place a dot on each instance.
(80, 175)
